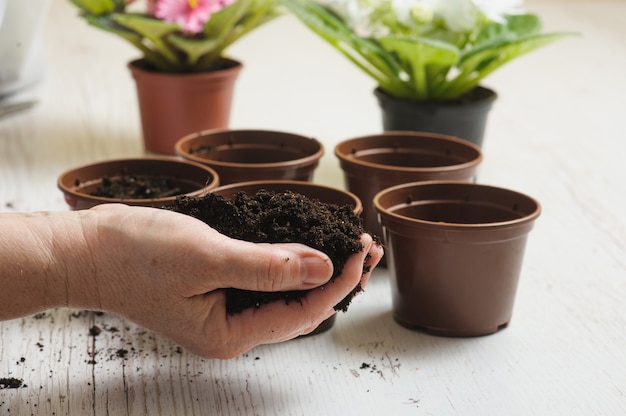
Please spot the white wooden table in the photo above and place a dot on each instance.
(557, 133)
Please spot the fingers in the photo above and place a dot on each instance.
(273, 267)
(372, 259)
(277, 321)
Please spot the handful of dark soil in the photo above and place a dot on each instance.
(288, 217)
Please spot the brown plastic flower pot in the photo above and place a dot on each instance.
(373, 163)
(172, 105)
(249, 155)
(455, 254)
(183, 177)
(325, 194)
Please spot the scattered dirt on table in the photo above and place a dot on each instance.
(11, 383)
(95, 330)
(286, 217)
(121, 353)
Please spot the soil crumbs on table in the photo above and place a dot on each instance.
(283, 217)
(11, 383)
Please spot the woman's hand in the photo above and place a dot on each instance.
(165, 271)
(169, 269)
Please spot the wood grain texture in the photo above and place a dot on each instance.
(556, 133)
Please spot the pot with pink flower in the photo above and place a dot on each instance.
(184, 80)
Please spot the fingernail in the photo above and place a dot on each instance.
(316, 270)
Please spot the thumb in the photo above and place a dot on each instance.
(274, 267)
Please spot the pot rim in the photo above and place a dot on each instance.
(358, 205)
(311, 159)
(232, 65)
(351, 161)
(490, 96)
(71, 191)
(525, 218)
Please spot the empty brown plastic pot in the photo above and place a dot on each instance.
(249, 155)
(185, 178)
(325, 194)
(455, 254)
(373, 163)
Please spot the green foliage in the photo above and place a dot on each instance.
(165, 46)
(435, 63)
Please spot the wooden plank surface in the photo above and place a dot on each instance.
(556, 133)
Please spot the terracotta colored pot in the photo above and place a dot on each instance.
(248, 155)
(191, 178)
(455, 254)
(373, 163)
(323, 193)
(173, 105)
(465, 118)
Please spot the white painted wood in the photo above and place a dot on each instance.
(556, 133)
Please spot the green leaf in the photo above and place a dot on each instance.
(194, 49)
(418, 55)
(152, 29)
(225, 18)
(107, 24)
(255, 14)
(235, 21)
(96, 7)
(523, 24)
(515, 27)
(476, 64)
(367, 54)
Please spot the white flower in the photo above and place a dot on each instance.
(458, 15)
(409, 11)
(352, 11)
(461, 15)
(378, 17)
(355, 13)
(496, 9)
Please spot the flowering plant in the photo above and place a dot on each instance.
(425, 49)
(179, 35)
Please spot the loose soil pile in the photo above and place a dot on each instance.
(288, 217)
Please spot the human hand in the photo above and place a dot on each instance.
(165, 271)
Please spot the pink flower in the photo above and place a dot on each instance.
(191, 15)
